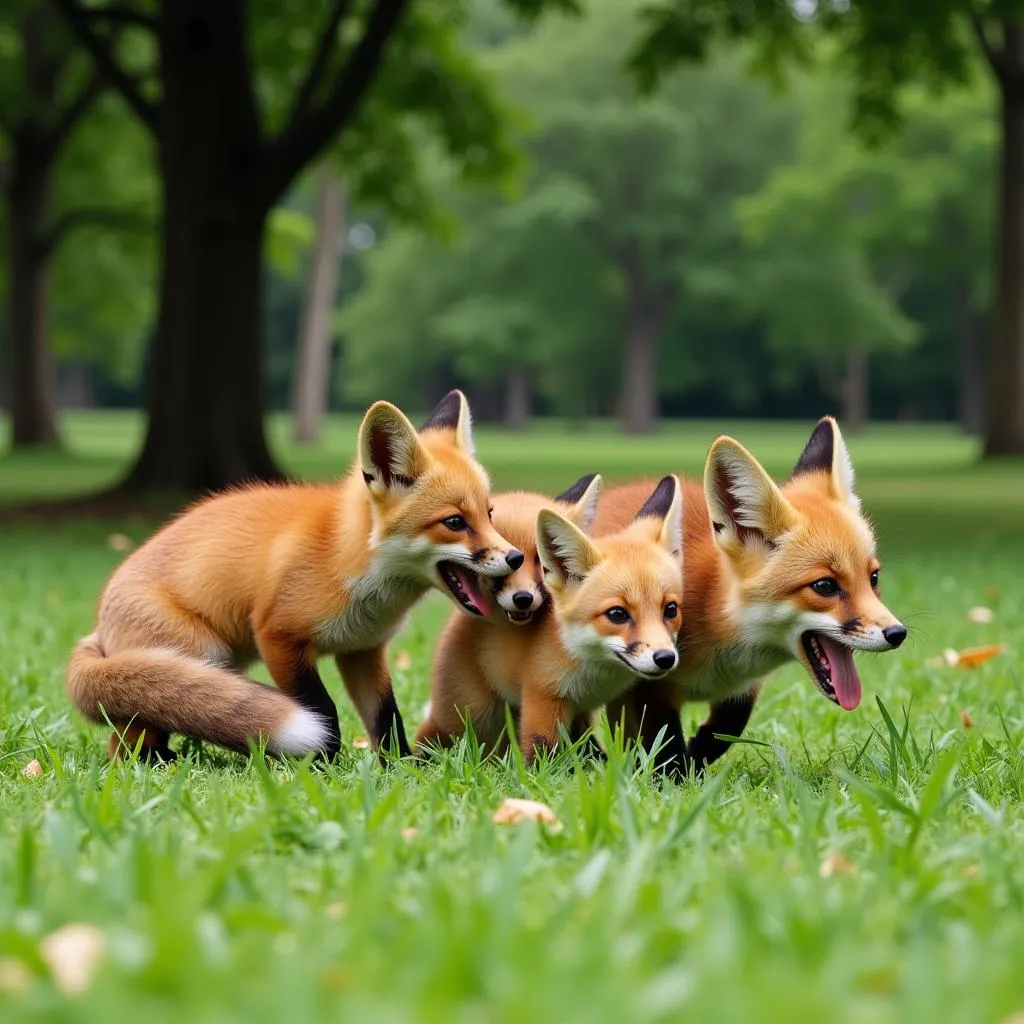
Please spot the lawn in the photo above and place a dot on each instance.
(840, 867)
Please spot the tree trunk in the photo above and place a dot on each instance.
(855, 391)
(31, 375)
(312, 369)
(517, 398)
(639, 401)
(1004, 402)
(205, 400)
(971, 375)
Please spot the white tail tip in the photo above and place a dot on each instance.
(301, 733)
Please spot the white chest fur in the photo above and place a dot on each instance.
(376, 608)
(588, 686)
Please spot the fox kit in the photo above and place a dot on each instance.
(462, 686)
(614, 616)
(285, 574)
(773, 574)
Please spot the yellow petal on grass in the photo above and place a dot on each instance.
(336, 911)
(32, 770)
(971, 657)
(15, 977)
(972, 871)
(408, 834)
(513, 811)
(979, 613)
(403, 661)
(361, 743)
(835, 864)
(1014, 1018)
(73, 954)
(966, 719)
(120, 542)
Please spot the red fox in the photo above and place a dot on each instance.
(613, 618)
(286, 573)
(773, 574)
(462, 686)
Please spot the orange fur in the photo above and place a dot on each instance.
(747, 599)
(561, 666)
(286, 574)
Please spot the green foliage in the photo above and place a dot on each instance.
(229, 889)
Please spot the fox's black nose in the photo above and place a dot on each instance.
(895, 635)
(522, 599)
(665, 659)
(515, 559)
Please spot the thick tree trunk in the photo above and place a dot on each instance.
(205, 392)
(855, 391)
(1004, 400)
(639, 401)
(970, 360)
(31, 381)
(517, 398)
(312, 368)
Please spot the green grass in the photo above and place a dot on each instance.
(237, 890)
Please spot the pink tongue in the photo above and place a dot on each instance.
(472, 591)
(845, 680)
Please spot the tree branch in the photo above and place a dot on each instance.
(75, 110)
(314, 74)
(303, 138)
(122, 14)
(105, 216)
(77, 19)
(995, 55)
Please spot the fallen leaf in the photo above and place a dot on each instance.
(410, 833)
(73, 954)
(980, 613)
(971, 657)
(836, 864)
(15, 977)
(966, 719)
(513, 811)
(32, 770)
(120, 542)
(404, 661)
(361, 743)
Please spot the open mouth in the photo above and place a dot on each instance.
(465, 587)
(519, 618)
(832, 666)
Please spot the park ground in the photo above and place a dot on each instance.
(859, 867)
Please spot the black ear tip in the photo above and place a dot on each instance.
(576, 491)
(658, 504)
(446, 414)
(818, 452)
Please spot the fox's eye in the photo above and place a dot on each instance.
(826, 587)
(456, 524)
(874, 580)
(617, 615)
(671, 610)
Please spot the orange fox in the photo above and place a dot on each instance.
(285, 574)
(772, 574)
(462, 686)
(613, 617)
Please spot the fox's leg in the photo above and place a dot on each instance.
(366, 677)
(539, 722)
(729, 717)
(154, 746)
(292, 666)
(650, 707)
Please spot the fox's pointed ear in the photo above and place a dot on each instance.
(746, 506)
(582, 498)
(565, 550)
(665, 506)
(390, 453)
(826, 453)
(452, 413)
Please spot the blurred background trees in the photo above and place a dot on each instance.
(248, 206)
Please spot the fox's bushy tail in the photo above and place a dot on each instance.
(175, 693)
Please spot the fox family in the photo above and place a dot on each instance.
(638, 598)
